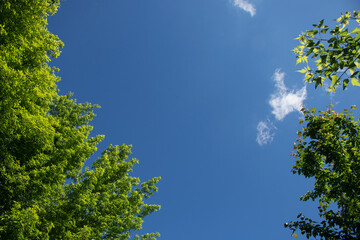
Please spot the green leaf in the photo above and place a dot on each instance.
(357, 37)
(323, 59)
(302, 70)
(355, 82)
(345, 83)
(355, 30)
(323, 31)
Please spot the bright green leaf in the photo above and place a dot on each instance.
(355, 82)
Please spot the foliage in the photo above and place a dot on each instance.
(335, 51)
(45, 141)
(328, 150)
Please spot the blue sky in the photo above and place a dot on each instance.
(208, 95)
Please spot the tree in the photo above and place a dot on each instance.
(45, 141)
(328, 150)
(328, 147)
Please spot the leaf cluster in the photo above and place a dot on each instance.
(335, 52)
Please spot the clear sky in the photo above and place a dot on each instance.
(207, 93)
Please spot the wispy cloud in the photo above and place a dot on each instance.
(246, 6)
(265, 133)
(284, 101)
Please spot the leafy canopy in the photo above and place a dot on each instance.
(328, 150)
(335, 52)
(45, 141)
(328, 146)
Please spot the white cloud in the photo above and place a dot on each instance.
(246, 6)
(265, 133)
(284, 101)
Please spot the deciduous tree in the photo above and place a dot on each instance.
(328, 150)
(45, 141)
(328, 146)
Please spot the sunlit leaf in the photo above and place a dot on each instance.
(355, 82)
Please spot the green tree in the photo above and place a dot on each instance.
(328, 147)
(45, 141)
(328, 150)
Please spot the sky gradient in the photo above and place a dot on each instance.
(208, 95)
